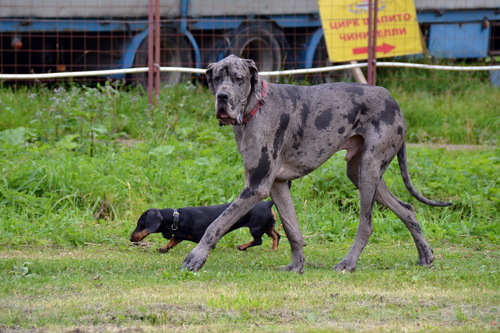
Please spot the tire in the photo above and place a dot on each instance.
(175, 51)
(321, 60)
(259, 41)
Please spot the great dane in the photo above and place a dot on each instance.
(284, 132)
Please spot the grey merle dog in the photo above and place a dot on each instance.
(284, 132)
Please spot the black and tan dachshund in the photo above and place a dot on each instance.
(190, 223)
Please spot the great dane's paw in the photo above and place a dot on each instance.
(195, 260)
(162, 250)
(345, 266)
(426, 261)
(425, 255)
(294, 268)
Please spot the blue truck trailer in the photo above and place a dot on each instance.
(40, 36)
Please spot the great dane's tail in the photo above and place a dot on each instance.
(403, 166)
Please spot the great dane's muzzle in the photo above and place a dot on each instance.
(222, 97)
(223, 108)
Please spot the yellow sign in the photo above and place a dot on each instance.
(345, 25)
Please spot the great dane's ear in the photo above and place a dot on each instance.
(254, 78)
(153, 220)
(208, 74)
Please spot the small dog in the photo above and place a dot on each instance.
(190, 223)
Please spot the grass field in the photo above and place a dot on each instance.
(78, 165)
(123, 288)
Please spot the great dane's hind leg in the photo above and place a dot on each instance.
(406, 213)
(366, 173)
(403, 210)
(280, 193)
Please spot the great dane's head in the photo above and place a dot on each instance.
(233, 81)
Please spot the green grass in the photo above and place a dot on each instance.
(440, 107)
(115, 288)
(79, 165)
(446, 107)
(56, 196)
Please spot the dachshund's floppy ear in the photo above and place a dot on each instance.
(208, 74)
(153, 220)
(254, 78)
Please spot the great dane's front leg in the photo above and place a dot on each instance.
(197, 257)
(280, 193)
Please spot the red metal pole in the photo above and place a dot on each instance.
(372, 41)
(150, 51)
(157, 48)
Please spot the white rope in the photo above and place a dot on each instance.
(183, 70)
(265, 73)
(438, 67)
(313, 70)
(107, 72)
(71, 74)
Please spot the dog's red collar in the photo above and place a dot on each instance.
(257, 106)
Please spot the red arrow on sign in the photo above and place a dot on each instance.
(381, 48)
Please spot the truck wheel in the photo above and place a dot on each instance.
(261, 42)
(175, 51)
(321, 60)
